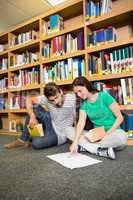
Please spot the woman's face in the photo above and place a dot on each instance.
(81, 91)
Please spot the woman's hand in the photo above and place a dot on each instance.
(73, 147)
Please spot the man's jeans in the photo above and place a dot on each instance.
(50, 138)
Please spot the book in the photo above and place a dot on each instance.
(36, 131)
(95, 134)
(128, 120)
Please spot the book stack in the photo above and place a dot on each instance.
(97, 8)
(54, 24)
(63, 44)
(128, 122)
(63, 70)
(117, 61)
(101, 36)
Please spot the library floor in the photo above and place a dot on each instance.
(27, 174)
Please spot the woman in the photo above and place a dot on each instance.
(102, 110)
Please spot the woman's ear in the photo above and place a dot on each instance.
(60, 90)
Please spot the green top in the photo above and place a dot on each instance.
(99, 112)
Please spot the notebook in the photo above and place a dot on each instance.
(37, 130)
(96, 134)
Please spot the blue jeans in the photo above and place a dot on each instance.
(50, 138)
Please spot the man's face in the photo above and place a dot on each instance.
(57, 100)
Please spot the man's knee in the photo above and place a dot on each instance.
(37, 143)
(40, 112)
(38, 108)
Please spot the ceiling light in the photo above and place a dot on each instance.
(55, 2)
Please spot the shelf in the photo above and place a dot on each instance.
(4, 53)
(5, 132)
(4, 111)
(111, 45)
(4, 71)
(25, 66)
(26, 45)
(3, 92)
(65, 82)
(115, 18)
(126, 107)
(18, 110)
(62, 32)
(70, 55)
(23, 88)
(61, 82)
(98, 77)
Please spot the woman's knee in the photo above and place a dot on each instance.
(122, 136)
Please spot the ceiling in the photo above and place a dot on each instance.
(13, 12)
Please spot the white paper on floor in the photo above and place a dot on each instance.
(75, 160)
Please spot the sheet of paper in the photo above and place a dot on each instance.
(75, 160)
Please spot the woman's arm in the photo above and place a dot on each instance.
(79, 128)
(114, 107)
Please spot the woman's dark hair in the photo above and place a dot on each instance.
(51, 89)
(82, 81)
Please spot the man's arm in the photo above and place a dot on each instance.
(29, 104)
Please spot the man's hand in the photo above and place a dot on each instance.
(33, 121)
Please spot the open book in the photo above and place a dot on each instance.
(96, 134)
(37, 130)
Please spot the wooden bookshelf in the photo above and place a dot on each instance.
(74, 17)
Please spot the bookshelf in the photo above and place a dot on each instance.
(28, 53)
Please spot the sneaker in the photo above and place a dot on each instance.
(81, 149)
(14, 144)
(106, 152)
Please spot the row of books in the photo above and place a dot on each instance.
(117, 61)
(3, 63)
(127, 124)
(64, 70)
(16, 125)
(3, 84)
(97, 8)
(54, 24)
(3, 47)
(3, 103)
(101, 36)
(123, 92)
(26, 77)
(23, 37)
(24, 58)
(63, 44)
(17, 102)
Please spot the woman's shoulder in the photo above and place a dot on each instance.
(104, 94)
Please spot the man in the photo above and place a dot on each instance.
(60, 116)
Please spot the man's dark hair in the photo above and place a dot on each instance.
(51, 89)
